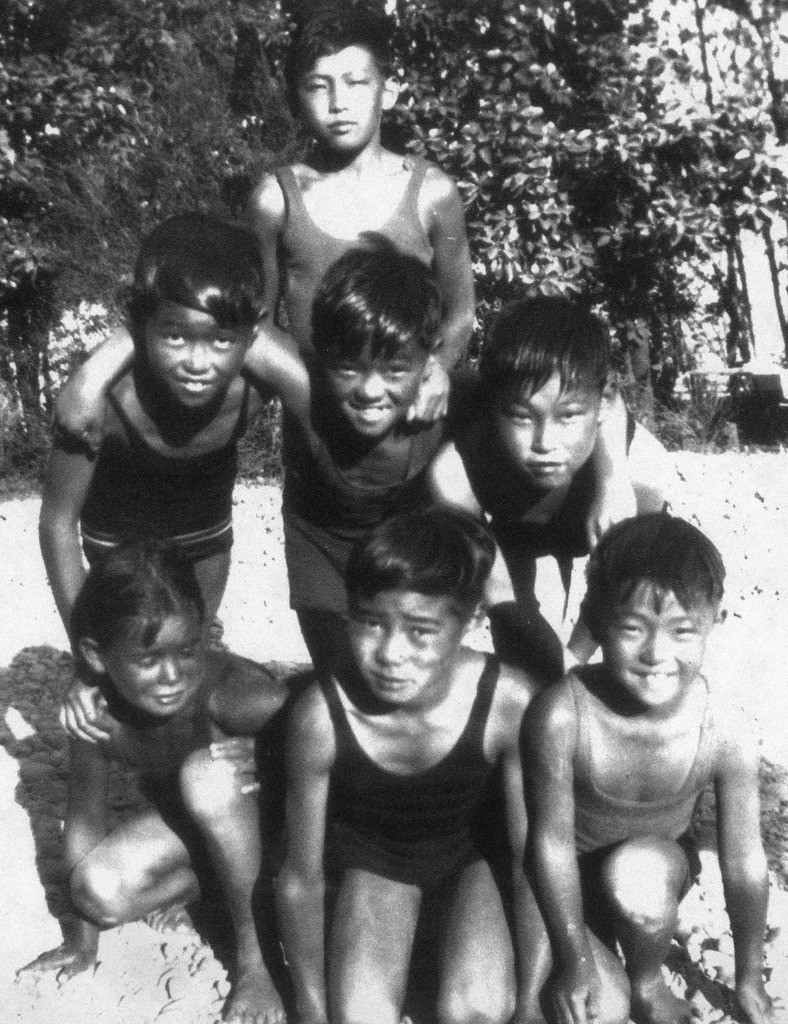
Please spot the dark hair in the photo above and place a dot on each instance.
(202, 263)
(140, 582)
(332, 28)
(532, 339)
(434, 551)
(656, 548)
(378, 297)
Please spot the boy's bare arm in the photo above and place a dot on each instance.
(265, 214)
(651, 471)
(743, 862)
(66, 485)
(300, 885)
(614, 499)
(550, 740)
(81, 405)
(442, 211)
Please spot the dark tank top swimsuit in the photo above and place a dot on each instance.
(415, 829)
(308, 251)
(137, 490)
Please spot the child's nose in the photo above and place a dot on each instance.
(197, 360)
(655, 648)
(338, 96)
(371, 386)
(544, 436)
(391, 648)
(169, 670)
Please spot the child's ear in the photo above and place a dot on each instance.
(609, 398)
(429, 366)
(721, 616)
(390, 93)
(477, 618)
(89, 650)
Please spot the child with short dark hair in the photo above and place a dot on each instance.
(183, 715)
(351, 191)
(615, 758)
(525, 460)
(387, 765)
(166, 458)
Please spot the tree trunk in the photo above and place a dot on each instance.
(774, 272)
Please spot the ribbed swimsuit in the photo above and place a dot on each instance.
(415, 829)
(603, 820)
(137, 490)
(307, 251)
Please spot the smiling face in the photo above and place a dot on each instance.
(404, 644)
(548, 434)
(194, 358)
(653, 647)
(159, 677)
(373, 393)
(341, 99)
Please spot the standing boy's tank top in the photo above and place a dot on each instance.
(307, 251)
(136, 489)
(415, 829)
(603, 819)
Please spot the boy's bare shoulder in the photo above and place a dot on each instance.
(552, 714)
(267, 202)
(736, 747)
(517, 688)
(311, 739)
(437, 186)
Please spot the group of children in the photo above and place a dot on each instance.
(543, 818)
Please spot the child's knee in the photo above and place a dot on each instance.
(365, 1004)
(99, 892)
(643, 879)
(210, 788)
(476, 1003)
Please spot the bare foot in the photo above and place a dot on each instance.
(170, 920)
(253, 1000)
(653, 1003)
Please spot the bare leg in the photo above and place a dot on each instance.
(140, 867)
(371, 942)
(230, 824)
(644, 881)
(477, 984)
(324, 635)
(212, 573)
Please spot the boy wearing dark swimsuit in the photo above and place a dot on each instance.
(386, 767)
(616, 756)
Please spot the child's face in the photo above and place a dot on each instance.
(161, 677)
(191, 355)
(404, 644)
(341, 98)
(549, 433)
(373, 393)
(653, 647)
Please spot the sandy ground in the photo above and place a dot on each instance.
(740, 501)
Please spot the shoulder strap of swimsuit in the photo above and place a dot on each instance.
(294, 201)
(485, 691)
(342, 731)
(132, 432)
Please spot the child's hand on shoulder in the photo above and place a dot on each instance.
(67, 960)
(432, 401)
(758, 1007)
(237, 754)
(84, 713)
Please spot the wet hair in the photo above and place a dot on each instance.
(136, 586)
(334, 27)
(435, 551)
(532, 339)
(376, 297)
(203, 263)
(659, 549)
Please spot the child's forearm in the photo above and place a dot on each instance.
(746, 900)
(300, 905)
(615, 497)
(558, 882)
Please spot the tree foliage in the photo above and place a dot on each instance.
(612, 149)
